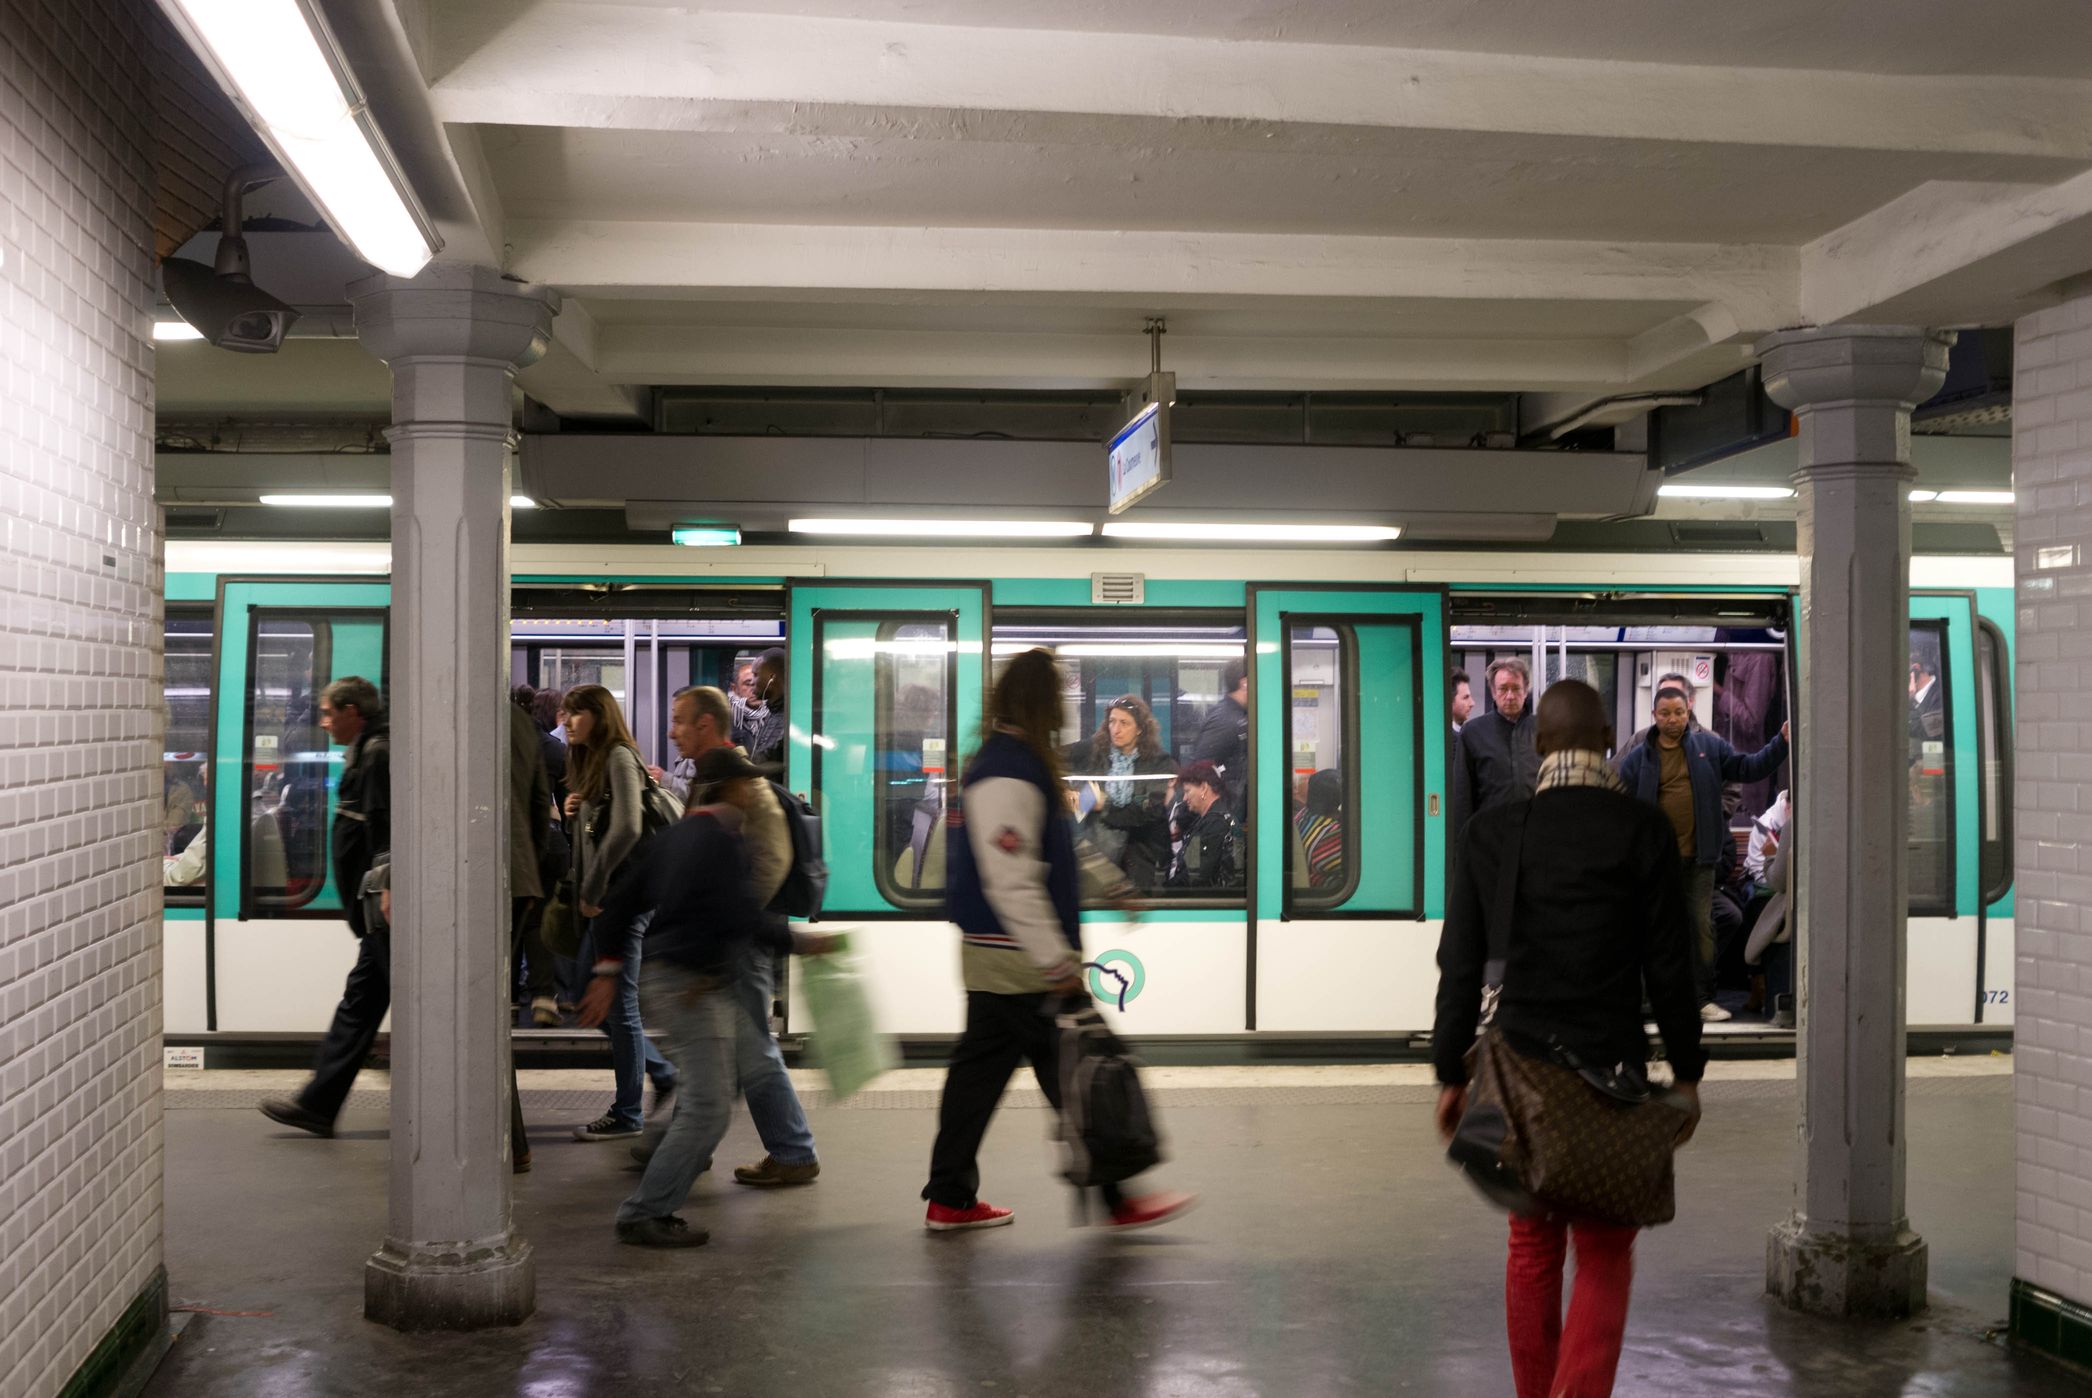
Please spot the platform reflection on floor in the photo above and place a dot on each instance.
(1334, 1254)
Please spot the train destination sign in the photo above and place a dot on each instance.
(1140, 456)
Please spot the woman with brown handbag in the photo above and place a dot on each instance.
(1588, 904)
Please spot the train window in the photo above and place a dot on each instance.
(1321, 773)
(882, 715)
(185, 755)
(1147, 703)
(1931, 774)
(1994, 755)
(291, 770)
(561, 668)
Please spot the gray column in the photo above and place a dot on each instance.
(1848, 1249)
(454, 337)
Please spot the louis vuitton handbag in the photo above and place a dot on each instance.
(1543, 1132)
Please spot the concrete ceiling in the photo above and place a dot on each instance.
(1581, 197)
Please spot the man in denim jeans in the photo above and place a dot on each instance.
(705, 918)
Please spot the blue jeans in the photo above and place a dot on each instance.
(760, 1067)
(698, 1017)
(633, 1057)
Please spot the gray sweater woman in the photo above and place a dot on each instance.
(609, 827)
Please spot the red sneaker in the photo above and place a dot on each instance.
(1150, 1209)
(942, 1219)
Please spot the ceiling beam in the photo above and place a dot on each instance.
(663, 68)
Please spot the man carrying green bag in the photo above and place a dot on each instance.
(846, 1042)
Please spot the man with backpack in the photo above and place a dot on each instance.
(702, 721)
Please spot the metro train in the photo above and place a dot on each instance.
(890, 648)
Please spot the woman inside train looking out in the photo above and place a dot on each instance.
(606, 818)
(1129, 776)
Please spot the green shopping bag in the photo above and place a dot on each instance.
(846, 1043)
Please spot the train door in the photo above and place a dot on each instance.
(276, 947)
(1347, 814)
(886, 684)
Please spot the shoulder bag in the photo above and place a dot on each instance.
(1544, 1133)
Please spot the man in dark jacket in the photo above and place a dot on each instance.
(1598, 913)
(353, 713)
(1224, 737)
(1680, 769)
(1494, 760)
(1211, 853)
(696, 880)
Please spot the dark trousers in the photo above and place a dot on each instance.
(528, 949)
(1001, 1031)
(364, 1000)
(523, 914)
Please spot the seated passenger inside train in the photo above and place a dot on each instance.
(1122, 778)
(1211, 855)
(1318, 826)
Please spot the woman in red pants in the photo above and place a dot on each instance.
(1599, 912)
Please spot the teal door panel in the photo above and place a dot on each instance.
(1954, 617)
(887, 683)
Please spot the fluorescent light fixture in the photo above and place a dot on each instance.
(1976, 497)
(867, 647)
(521, 502)
(330, 502)
(1923, 497)
(1726, 492)
(705, 536)
(279, 62)
(1252, 533)
(1113, 650)
(164, 330)
(947, 528)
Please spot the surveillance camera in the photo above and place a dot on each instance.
(225, 308)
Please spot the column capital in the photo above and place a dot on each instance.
(452, 311)
(1886, 365)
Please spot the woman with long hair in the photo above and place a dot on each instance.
(606, 814)
(1130, 774)
(1015, 890)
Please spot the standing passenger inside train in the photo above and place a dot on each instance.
(1681, 768)
(353, 713)
(1460, 699)
(608, 821)
(1128, 783)
(1224, 737)
(1319, 827)
(1596, 914)
(767, 728)
(1210, 855)
(1015, 893)
(1495, 761)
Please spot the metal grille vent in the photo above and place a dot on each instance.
(1126, 589)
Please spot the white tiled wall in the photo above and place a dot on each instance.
(2052, 473)
(80, 1157)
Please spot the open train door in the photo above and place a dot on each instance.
(887, 681)
(277, 949)
(1347, 746)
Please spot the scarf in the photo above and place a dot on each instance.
(1576, 767)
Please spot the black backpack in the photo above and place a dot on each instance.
(1105, 1124)
(806, 885)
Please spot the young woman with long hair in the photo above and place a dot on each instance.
(1130, 773)
(1015, 892)
(606, 816)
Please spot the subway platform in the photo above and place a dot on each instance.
(1334, 1253)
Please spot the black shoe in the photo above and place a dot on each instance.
(289, 1112)
(670, 1232)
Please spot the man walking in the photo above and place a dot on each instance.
(353, 713)
(1495, 761)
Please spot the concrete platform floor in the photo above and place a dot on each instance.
(1335, 1253)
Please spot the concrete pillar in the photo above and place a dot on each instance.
(1848, 1249)
(454, 337)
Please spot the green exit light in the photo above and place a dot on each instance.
(707, 536)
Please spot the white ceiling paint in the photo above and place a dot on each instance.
(1584, 196)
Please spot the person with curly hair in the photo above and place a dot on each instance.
(1129, 776)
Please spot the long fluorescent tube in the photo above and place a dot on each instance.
(946, 528)
(1923, 497)
(1110, 650)
(1726, 492)
(521, 502)
(175, 330)
(279, 62)
(1976, 497)
(705, 536)
(330, 502)
(1252, 533)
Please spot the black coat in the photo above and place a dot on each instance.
(1494, 761)
(1224, 741)
(1600, 911)
(362, 834)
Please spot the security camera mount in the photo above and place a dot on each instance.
(222, 301)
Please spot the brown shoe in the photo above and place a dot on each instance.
(772, 1174)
